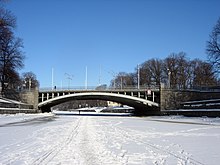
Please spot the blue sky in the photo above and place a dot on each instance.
(114, 35)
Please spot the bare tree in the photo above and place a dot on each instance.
(203, 74)
(145, 74)
(183, 71)
(171, 67)
(156, 69)
(130, 79)
(213, 47)
(123, 80)
(11, 56)
(29, 80)
(177, 70)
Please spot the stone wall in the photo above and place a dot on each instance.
(30, 97)
(172, 99)
(16, 110)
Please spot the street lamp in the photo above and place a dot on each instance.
(169, 77)
(27, 83)
(138, 76)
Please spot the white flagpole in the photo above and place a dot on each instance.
(52, 79)
(100, 74)
(138, 77)
(86, 80)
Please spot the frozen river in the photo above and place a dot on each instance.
(108, 140)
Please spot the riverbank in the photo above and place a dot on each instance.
(193, 112)
(17, 110)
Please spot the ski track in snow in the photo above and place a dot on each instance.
(153, 153)
(87, 140)
(35, 149)
(79, 145)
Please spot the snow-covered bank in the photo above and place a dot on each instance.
(105, 140)
(187, 120)
(10, 119)
(193, 112)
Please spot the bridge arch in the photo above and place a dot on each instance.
(137, 103)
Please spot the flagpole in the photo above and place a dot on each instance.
(138, 77)
(52, 79)
(86, 80)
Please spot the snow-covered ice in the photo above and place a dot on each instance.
(108, 140)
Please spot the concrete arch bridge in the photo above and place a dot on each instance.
(140, 99)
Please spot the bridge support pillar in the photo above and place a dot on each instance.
(45, 109)
(147, 111)
(163, 97)
(30, 97)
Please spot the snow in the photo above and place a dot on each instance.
(9, 101)
(89, 112)
(109, 140)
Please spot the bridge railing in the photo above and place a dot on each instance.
(98, 88)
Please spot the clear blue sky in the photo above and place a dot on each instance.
(69, 35)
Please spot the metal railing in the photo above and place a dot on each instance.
(98, 88)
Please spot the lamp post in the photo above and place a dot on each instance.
(169, 77)
(29, 84)
(138, 76)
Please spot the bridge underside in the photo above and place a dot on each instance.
(137, 103)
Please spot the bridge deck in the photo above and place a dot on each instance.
(151, 95)
(128, 88)
(137, 98)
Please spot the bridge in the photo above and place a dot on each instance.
(144, 98)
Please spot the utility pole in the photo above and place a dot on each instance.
(69, 77)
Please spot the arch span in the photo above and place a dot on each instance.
(123, 99)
